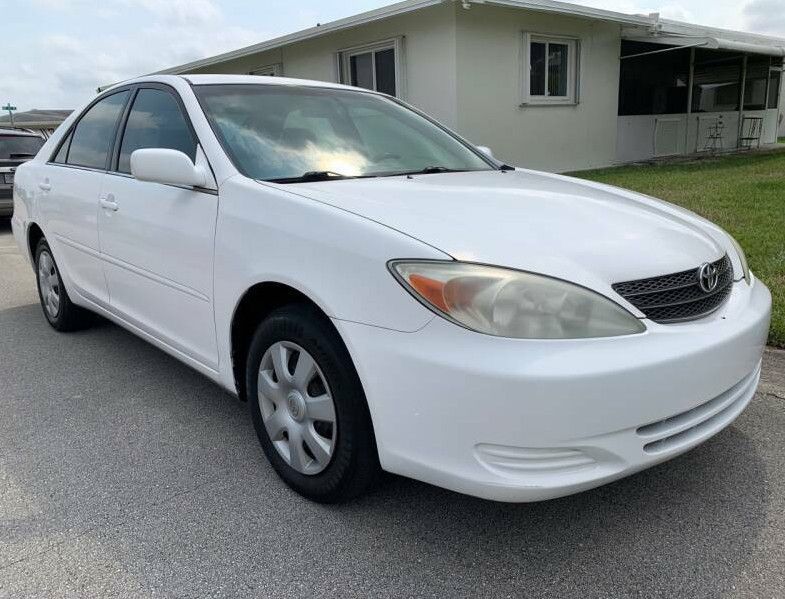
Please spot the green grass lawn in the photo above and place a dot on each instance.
(743, 194)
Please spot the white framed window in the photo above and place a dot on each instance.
(269, 70)
(377, 66)
(550, 69)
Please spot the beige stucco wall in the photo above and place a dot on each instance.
(428, 53)
(553, 138)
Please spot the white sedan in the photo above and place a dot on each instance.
(386, 295)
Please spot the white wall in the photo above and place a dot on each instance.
(553, 138)
(635, 134)
(428, 55)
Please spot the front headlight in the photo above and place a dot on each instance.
(511, 303)
(745, 269)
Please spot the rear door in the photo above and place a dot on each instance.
(157, 240)
(69, 186)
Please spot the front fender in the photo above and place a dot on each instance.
(336, 258)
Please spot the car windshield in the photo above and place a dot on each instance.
(19, 146)
(292, 134)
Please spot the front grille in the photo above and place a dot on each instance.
(678, 296)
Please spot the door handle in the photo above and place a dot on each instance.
(45, 185)
(108, 203)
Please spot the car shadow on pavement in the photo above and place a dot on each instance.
(114, 453)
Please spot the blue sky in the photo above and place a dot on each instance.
(56, 52)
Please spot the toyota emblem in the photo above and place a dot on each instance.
(708, 277)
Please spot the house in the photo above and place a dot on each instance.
(40, 121)
(545, 84)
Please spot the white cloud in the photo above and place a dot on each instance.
(766, 16)
(63, 70)
(179, 12)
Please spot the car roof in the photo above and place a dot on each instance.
(240, 79)
(20, 132)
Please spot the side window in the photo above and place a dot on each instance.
(62, 153)
(373, 67)
(550, 70)
(155, 121)
(94, 133)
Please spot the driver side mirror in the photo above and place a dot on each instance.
(171, 167)
(485, 150)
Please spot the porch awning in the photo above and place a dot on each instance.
(711, 43)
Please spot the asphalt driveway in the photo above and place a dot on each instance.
(124, 473)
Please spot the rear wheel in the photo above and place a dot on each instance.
(308, 406)
(58, 308)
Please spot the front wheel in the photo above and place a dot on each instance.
(308, 406)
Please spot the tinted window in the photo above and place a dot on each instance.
(19, 146)
(756, 82)
(716, 81)
(653, 83)
(374, 69)
(361, 67)
(95, 131)
(774, 89)
(155, 121)
(62, 153)
(557, 69)
(385, 71)
(537, 72)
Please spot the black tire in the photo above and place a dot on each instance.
(68, 316)
(354, 465)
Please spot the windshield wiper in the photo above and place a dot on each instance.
(429, 170)
(314, 176)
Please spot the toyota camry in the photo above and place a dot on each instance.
(386, 295)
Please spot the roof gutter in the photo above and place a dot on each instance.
(572, 10)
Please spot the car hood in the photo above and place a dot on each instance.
(585, 232)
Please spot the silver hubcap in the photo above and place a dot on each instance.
(49, 284)
(297, 407)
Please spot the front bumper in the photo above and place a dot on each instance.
(525, 420)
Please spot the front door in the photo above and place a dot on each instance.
(157, 240)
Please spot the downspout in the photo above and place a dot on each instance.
(741, 99)
(690, 83)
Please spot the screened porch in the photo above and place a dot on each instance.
(689, 99)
